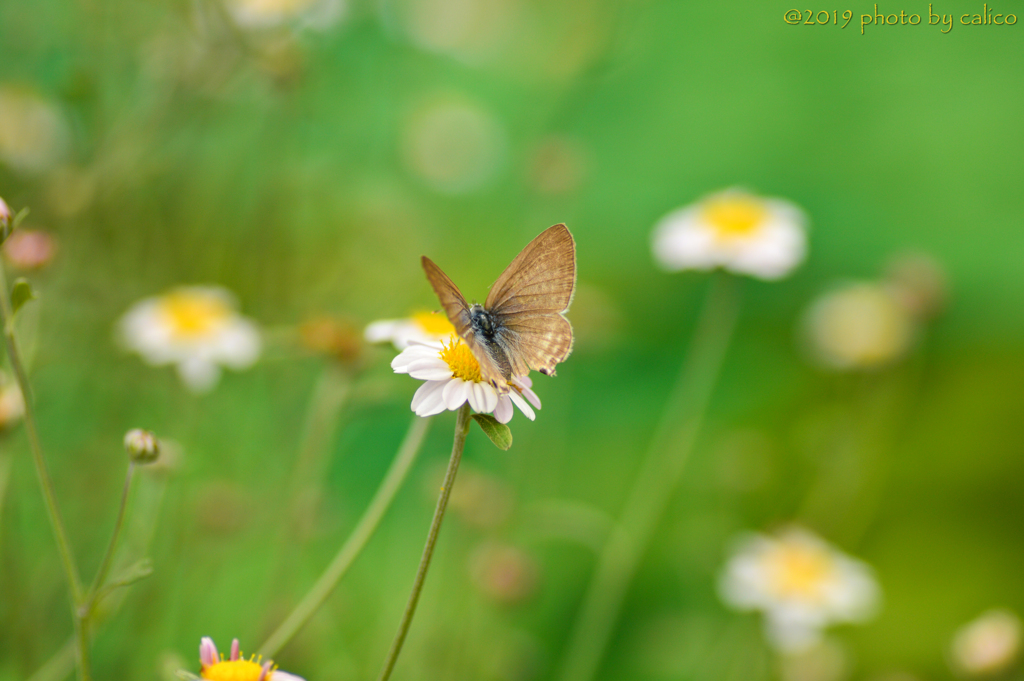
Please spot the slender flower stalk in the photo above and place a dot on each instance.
(45, 482)
(462, 422)
(93, 596)
(323, 417)
(346, 555)
(657, 480)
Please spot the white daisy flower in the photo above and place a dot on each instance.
(452, 377)
(741, 232)
(264, 14)
(800, 583)
(988, 645)
(236, 667)
(858, 326)
(196, 328)
(422, 327)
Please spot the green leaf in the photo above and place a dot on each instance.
(499, 433)
(21, 293)
(7, 227)
(131, 574)
(21, 215)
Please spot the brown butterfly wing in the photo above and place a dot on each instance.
(448, 293)
(528, 301)
(457, 310)
(541, 278)
(538, 342)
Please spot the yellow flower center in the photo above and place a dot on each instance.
(192, 315)
(433, 323)
(460, 360)
(799, 571)
(234, 670)
(735, 216)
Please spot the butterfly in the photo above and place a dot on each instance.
(522, 324)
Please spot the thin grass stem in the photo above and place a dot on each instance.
(658, 478)
(67, 558)
(352, 547)
(461, 429)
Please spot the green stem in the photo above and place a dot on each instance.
(461, 429)
(45, 482)
(364, 529)
(657, 480)
(91, 598)
(323, 414)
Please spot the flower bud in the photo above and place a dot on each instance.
(141, 445)
(30, 249)
(336, 338)
(6, 219)
(12, 404)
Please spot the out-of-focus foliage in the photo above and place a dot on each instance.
(304, 155)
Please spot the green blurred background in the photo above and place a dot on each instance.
(306, 160)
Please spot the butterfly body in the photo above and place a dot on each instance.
(481, 321)
(522, 325)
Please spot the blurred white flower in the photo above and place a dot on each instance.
(472, 31)
(260, 14)
(860, 325)
(452, 377)
(453, 145)
(236, 667)
(196, 328)
(987, 645)
(741, 232)
(33, 134)
(800, 583)
(421, 327)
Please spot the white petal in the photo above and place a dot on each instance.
(682, 241)
(456, 392)
(524, 383)
(431, 369)
(429, 399)
(208, 655)
(279, 675)
(411, 354)
(425, 390)
(777, 249)
(521, 403)
(381, 331)
(476, 396)
(503, 411)
(484, 398)
(239, 344)
(198, 375)
(791, 637)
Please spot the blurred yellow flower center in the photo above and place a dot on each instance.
(433, 323)
(234, 670)
(191, 316)
(735, 217)
(461, 361)
(798, 571)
